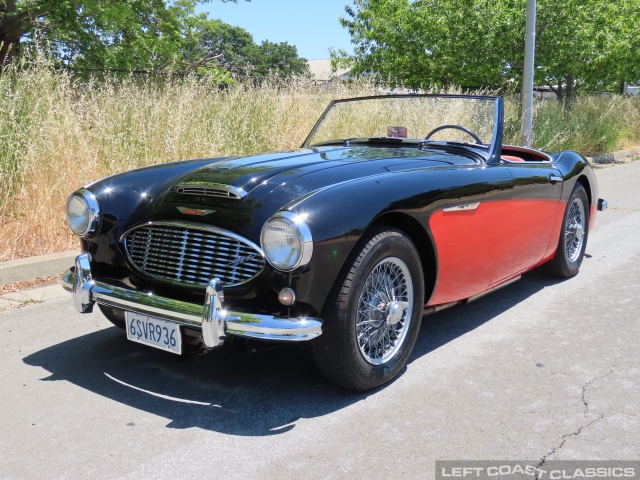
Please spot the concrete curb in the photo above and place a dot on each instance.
(34, 295)
(615, 157)
(25, 269)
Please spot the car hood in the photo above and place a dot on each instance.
(291, 175)
(258, 186)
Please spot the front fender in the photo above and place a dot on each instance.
(338, 216)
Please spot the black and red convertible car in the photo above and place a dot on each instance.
(395, 206)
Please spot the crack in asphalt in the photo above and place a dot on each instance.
(566, 436)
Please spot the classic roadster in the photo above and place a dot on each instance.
(394, 207)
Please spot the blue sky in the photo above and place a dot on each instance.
(312, 26)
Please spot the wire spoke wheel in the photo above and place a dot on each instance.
(373, 317)
(574, 230)
(573, 236)
(384, 310)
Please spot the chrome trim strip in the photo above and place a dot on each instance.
(461, 208)
(216, 322)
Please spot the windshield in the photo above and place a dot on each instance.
(471, 119)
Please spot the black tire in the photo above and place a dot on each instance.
(114, 315)
(573, 236)
(367, 363)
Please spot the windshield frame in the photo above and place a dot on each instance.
(493, 150)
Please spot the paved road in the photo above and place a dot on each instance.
(541, 370)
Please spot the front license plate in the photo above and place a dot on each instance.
(155, 332)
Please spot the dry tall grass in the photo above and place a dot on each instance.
(56, 135)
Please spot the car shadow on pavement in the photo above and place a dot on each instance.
(235, 391)
(447, 325)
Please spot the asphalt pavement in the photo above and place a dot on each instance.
(541, 370)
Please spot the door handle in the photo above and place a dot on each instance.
(555, 178)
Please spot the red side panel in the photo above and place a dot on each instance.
(528, 232)
(483, 247)
(466, 245)
(592, 215)
(555, 232)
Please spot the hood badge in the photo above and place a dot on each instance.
(240, 260)
(195, 211)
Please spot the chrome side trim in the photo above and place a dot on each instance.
(216, 322)
(462, 208)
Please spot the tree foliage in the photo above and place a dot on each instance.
(147, 35)
(479, 43)
(93, 32)
(240, 54)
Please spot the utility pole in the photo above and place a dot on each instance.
(527, 78)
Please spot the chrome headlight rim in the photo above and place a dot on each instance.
(303, 233)
(92, 212)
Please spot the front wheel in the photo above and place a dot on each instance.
(373, 315)
(573, 235)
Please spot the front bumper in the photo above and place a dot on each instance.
(215, 322)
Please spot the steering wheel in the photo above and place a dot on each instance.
(455, 127)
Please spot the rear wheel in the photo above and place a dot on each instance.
(573, 236)
(373, 315)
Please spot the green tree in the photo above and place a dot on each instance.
(235, 45)
(480, 43)
(116, 34)
(149, 35)
(238, 53)
(279, 59)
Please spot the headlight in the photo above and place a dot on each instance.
(83, 213)
(286, 241)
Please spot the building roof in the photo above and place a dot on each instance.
(321, 71)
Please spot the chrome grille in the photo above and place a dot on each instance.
(192, 254)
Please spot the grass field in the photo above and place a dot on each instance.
(57, 135)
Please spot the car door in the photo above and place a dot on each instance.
(531, 225)
(468, 228)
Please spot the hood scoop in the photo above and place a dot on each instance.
(216, 190)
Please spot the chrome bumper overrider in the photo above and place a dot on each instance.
(216, 323)
(602, 204)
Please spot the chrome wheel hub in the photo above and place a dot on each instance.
(575, 230)
(384, 311)
(395, 311)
